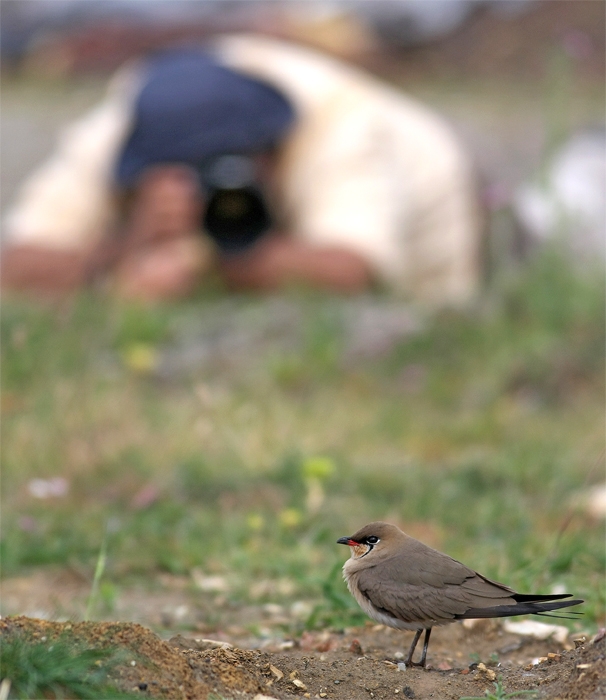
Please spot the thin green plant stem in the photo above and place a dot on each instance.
(99, 569)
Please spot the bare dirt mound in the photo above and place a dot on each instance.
(346, 666)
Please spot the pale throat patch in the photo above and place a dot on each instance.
(359, 550)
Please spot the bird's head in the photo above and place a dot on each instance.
(377, 537)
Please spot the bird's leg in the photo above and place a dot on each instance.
(413, 646)
(411, 651)
(425, 645)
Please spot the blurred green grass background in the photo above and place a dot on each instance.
(477, 434)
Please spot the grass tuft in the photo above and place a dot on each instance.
(58, 670)
(500, 694)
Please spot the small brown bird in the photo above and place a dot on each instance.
(402, 583)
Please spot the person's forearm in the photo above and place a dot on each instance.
(280, 262)
(43, 270)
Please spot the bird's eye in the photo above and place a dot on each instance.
(372, 539)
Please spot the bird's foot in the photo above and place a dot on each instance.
(407, 663)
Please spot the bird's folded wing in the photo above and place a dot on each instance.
(411, 603)
(422, 566)
(429, 586)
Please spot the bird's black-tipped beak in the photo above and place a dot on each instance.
(347, 541)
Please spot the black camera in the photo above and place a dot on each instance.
(236, 214)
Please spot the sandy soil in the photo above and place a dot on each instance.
(353, 665)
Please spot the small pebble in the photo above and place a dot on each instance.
(276, 672)
(356, 648)
(489, 673)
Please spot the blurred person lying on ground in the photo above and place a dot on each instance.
(262, 161)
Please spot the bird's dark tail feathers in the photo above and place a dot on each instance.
(526, 605)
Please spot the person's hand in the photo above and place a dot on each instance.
(166, 271)
(162, 257)
(167, 204)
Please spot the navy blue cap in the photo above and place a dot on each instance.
(192, 109)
